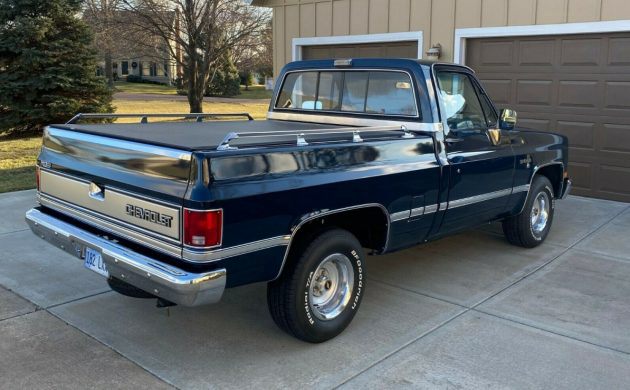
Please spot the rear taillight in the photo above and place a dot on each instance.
(203, 228)
(37, 174)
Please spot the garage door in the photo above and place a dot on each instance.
(367, 50)
(576, 85)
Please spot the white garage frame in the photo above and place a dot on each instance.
(462, 34)
(299, 43)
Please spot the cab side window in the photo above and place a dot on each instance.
(462, 107)
(492, 118)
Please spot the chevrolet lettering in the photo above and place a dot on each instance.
(149, 215)
(357, 157)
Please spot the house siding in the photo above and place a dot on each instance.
(437, 19)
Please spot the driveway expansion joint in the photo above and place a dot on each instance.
(474, 307)
(549, 331)
(111, 348)
(13, 231)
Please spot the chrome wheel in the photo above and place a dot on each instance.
(540, 213)
(330, 287)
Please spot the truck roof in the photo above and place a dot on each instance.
(385, 63)
(359, 62)
(189, 135)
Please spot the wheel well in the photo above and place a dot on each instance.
(369, 225)
(553, 172)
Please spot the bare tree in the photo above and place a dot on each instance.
(101, 15)
(255, 54)
(200, 34)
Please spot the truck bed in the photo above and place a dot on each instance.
(188, 135)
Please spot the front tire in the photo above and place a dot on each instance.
(531, 227)
(320, 290)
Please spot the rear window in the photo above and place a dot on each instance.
(371, 92)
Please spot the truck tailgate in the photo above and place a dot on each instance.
(131, 188)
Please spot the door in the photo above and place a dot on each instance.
(575, 85)
(481, 172)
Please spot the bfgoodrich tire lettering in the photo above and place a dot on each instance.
(531, 227)
(321, 288)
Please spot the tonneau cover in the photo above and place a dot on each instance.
(187, 135)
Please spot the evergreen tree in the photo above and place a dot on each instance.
(47, 65)
(224, 79)
(247, 79)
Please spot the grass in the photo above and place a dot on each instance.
(123, 86)
(18, 156)
(257, 110)
(253, 92)
(17, 163)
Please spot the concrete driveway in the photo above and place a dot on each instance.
(469, 311)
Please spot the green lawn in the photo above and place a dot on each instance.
(123, 86)
(253, 92)
(257, 110)
(17, 163)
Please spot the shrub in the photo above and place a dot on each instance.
(132, 78)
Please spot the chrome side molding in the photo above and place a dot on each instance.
(478, 198)
(419, 211)
(237, 250)
(399, 216)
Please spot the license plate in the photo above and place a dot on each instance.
(94, 262)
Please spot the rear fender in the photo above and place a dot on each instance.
(310, 224)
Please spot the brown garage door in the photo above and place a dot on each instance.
(367, 50)
(576, 85)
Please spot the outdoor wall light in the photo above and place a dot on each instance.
(434, 53)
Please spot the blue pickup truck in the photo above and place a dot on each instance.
(356, 156)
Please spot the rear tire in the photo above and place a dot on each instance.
(531, 227)
(321, 288)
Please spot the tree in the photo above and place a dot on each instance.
(247, 78)
(47, 65)
(203, 30)
(101, 16)
(255, 54)
(225, 80)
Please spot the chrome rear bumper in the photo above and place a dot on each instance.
(160, 279)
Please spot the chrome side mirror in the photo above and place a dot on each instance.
(507, 119)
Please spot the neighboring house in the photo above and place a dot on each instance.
(134, 50)
(148, 68)
(564, 65)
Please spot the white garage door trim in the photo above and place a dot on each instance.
(461, 34)
(299, 43)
